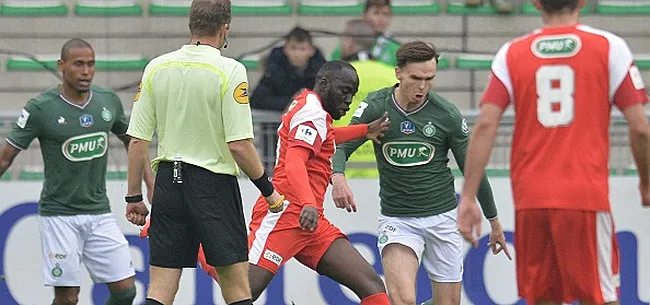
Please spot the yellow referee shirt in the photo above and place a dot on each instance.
(197, 101)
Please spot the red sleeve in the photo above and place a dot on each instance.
(297, 174)
(631, 91)
(496, 93)
(349, 133)
(305, 135)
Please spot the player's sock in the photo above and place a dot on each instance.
(376, 299)
(244, 302)
(427, 302)
(150, 301)
(123, 297)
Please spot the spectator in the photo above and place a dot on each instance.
(500, 6)
(288, 70)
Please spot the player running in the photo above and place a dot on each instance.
(562, 81)
(72, 123)
(418, 200)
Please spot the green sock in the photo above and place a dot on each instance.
(124, 297)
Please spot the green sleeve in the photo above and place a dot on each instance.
(27, 128)
(236, 111)
(458, 142)
(121, 124)
(336, 53)
(363, 115)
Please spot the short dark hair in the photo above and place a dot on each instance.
(558, 6)
(333, 69)
(375, 3)
(207, 16)
(74, 43)
(299, 34)
(416, 51)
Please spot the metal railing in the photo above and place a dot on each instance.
(266, 124)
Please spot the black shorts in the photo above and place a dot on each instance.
(206, 208)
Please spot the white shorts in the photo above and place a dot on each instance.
(434, 239)
(94, 240)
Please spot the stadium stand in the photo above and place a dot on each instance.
(128, 33)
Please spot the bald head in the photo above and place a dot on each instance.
(74, 43)
(208, 16)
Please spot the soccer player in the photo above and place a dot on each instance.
(300, 230)
(197, 102)
(72, 123)
(418, 200)
(562, 81)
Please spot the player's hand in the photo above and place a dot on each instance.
(273, 201)
(341, 193)
(497, 239)
(136, 213)
(645, 195)
(469, 220)
(144, 232)
(309, 218)
(377, 128)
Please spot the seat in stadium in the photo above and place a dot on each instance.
(608, 7)
(31, 173)
(443, 63)
(103, 8)
(330, 7)
(6, 176)
(33, 8)
(473, 62)
(415, 7)
(239, 7)
(459, 8)
(642, 61)
(113, 62)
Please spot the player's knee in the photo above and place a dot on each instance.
(402, 299)
(122, 297)
(66, 299)
(374, 285)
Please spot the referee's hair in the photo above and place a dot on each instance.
(333, 69)
(74, 43)
(208, 16)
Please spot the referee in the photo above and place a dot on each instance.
(197, 100)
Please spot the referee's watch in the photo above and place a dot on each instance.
(134, 198)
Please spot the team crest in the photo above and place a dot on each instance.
(57, 271)
(383, 238)
(86, 120)
(407, 127)
(429, 130)
(107, 116)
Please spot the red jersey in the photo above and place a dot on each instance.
(306, 124)
(562, 83)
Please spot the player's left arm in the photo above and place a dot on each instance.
(458, 144)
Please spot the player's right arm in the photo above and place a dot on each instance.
(341, 193)
(26, 129)
(238, 130)
(639, 133)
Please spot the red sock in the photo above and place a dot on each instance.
(376, 299)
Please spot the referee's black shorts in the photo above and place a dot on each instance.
(206, 208)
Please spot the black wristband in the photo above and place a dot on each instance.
(264, 185)
(133, 199)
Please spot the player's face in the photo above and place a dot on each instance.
(78, 69)
(340, 93)
(379, 18)
(416, 79)
(298, 53)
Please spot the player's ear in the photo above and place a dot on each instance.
(538, 5)
(581, 4)
(398, 73)
(60, 64)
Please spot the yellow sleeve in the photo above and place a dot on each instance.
(143, 117)
(236, 111)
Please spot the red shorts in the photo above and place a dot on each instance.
(275, 238)
(565, 256)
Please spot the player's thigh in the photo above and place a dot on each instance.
(443, 252)
(61, 244)
(590, 274)
(106, 252)
(331, 254)
(215, 203)
(173, 242)
(446, 293)
(401, 245)
(277, 239)
(538, 273)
